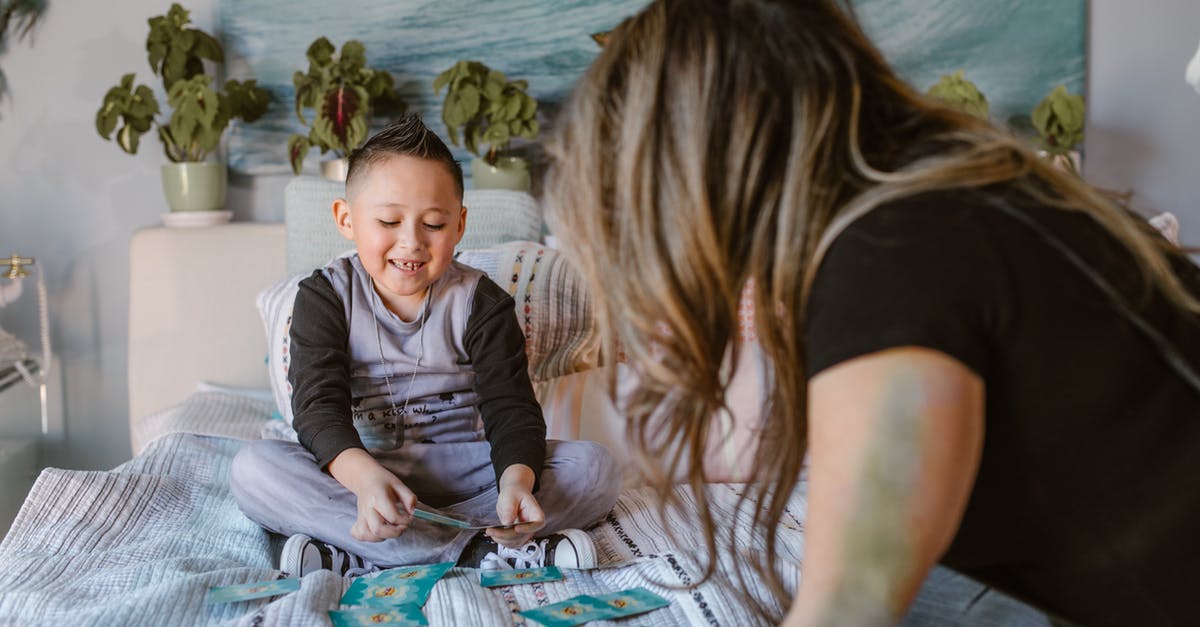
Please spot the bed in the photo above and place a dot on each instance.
(143, 542)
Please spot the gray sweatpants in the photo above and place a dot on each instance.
(278, 485)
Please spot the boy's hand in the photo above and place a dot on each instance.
(517, 504)
(384, 502)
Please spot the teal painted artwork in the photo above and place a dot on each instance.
(1015, 51)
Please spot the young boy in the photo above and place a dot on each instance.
(410, 388)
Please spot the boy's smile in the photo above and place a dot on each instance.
(405, 217)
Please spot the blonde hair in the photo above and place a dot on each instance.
(716, 142)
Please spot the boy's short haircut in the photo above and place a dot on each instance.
(407, 136)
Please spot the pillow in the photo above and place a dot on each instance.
(275, 309)
(551, 306)
(493, 216)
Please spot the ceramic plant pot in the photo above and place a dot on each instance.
(335, 169)
(197, 186)
(508, 173)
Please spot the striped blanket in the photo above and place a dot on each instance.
(142, 543)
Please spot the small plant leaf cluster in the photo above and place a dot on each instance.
(1058, 120)
(199, 113)
(961, 94)
(1055, 125)
(343, 93)
(488, 108)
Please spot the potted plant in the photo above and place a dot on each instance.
(489, 109)
(1058, 120)
(199, 112)
(961, 94)
(343, 93)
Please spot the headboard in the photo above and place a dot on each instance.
(191, 309)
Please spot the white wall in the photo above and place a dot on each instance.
(1143, 132)
(72, 200)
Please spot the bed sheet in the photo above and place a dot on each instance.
(142, 543)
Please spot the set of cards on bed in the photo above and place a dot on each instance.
(395, 597)
(584, 608)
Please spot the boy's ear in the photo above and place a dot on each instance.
(341, 218)
(462, 225)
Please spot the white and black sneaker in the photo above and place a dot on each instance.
(302, 555)
(569, 548)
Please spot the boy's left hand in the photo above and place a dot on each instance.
(516, 504)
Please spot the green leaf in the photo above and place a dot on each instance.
(497, 135)
(528, 107)
(512, 107)
(959, 93)
(442, 79)
(206, 46)
(106, 120)
(473, 135)
(127, 139)
(353, 57)
(320, 52)
(298, 147)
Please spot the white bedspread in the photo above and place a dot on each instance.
(142, 543)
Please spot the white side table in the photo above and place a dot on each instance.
(20, 443)
(18, 466)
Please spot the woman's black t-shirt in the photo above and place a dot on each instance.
(1087, 500)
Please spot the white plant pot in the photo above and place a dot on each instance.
(508, 173)
(335, 169)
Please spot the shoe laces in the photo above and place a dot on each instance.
(348, 563)
(532, 555)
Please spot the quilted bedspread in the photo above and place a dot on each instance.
(142, 543)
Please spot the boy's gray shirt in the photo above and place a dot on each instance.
(467, 351)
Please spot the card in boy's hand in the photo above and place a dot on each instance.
(437, 518)
(407, 615)
(497, 578)
(633, 601)
(447, 521)
(395, 586)
(247, 591)
(574, 611)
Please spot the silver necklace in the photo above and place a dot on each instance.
(387, 380)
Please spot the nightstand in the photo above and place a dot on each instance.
(18, 466)
(20, 440)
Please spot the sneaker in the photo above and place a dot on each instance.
(569, 548)
(302, 555)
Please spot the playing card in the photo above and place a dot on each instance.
(497, 578)
(396, 586)
(441, 519)
(574, 611)
(256, 590)
(406, 614)
(633, 601)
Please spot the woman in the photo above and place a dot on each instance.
(987, 363)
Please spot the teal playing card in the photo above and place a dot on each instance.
(396, 586)
(409, 615)
(633, 601)
(447, 521)
(497, 578)
(256, 590)
(574, 611)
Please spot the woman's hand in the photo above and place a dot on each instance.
(385, 504)
(516, 504)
